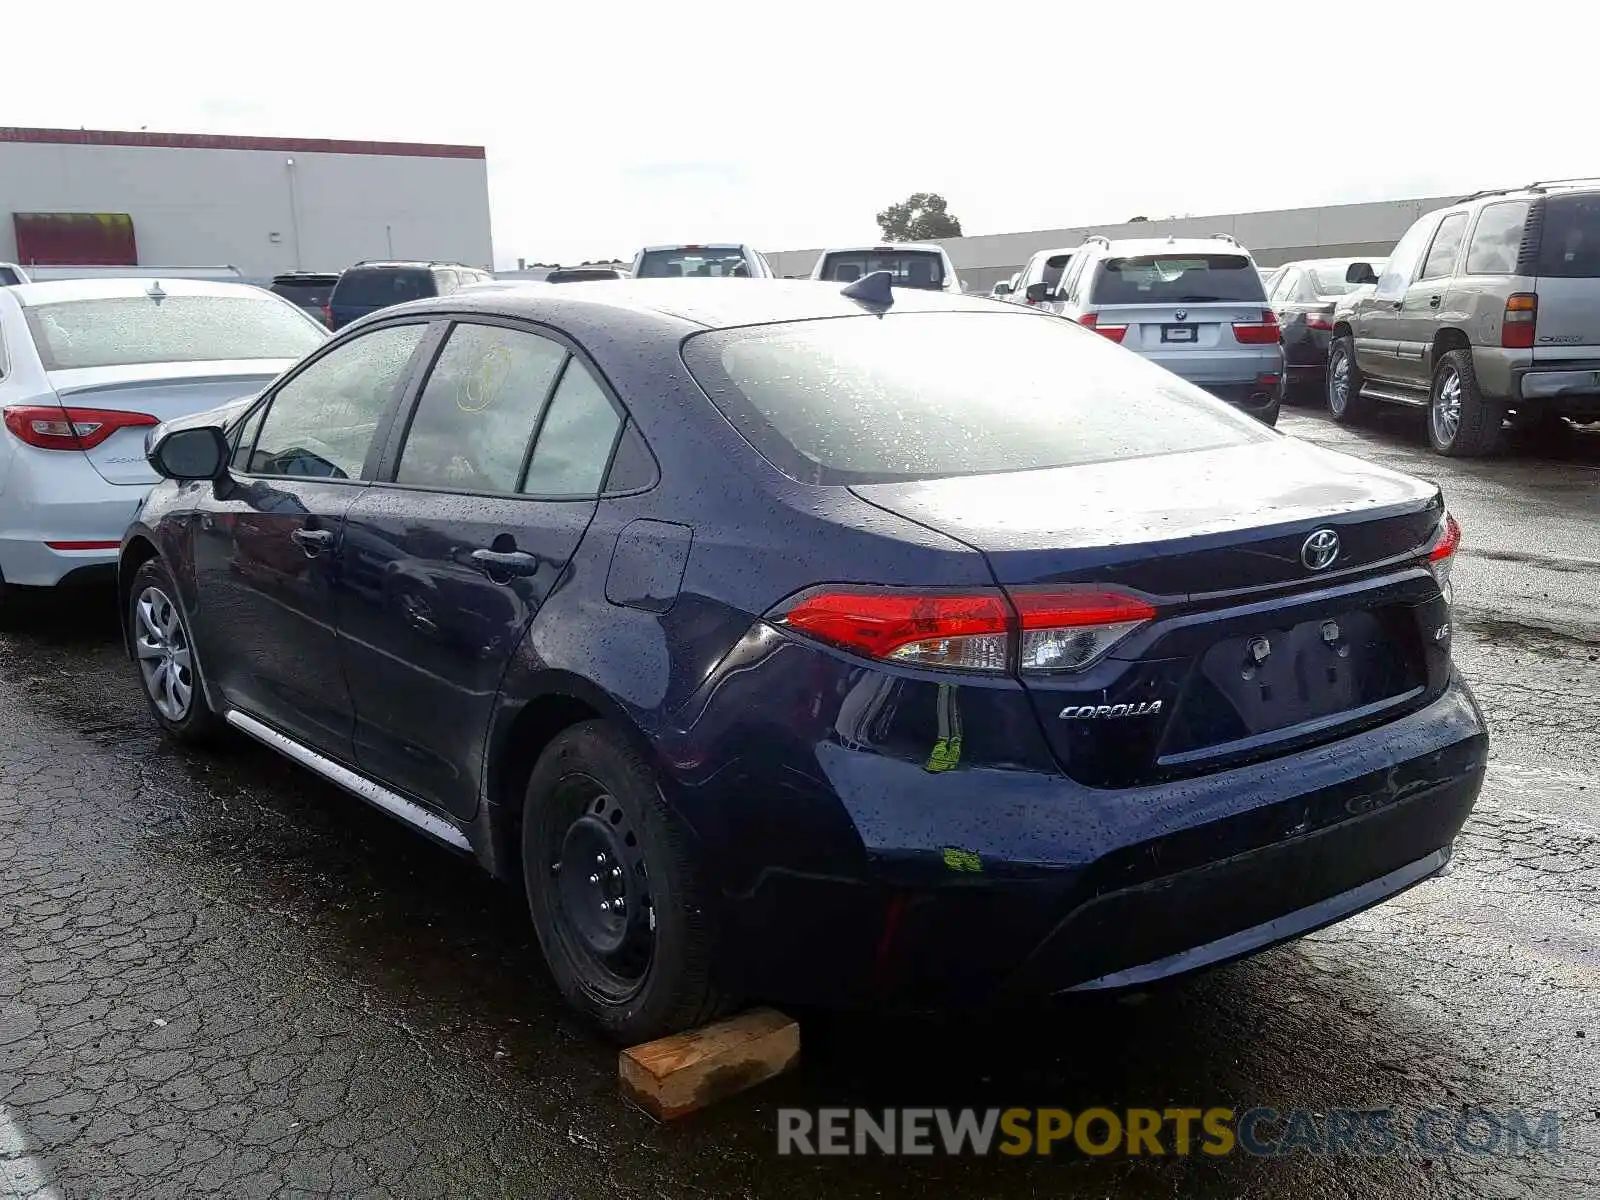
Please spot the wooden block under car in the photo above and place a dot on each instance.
(678, 1075)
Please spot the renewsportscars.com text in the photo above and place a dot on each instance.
(1216, 1131)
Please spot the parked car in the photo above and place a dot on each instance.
(45, 272)
(584, 274)
(912, 265)
(1036, 283)
(1486, 310)
(1022, 718)
(310, 290)
(86, 369)
(1304, 296)
(1193, 305)
(368, 287)
(716, 260)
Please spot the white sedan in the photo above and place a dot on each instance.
(86, 368)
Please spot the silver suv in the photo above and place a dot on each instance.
(1488, 310)
(1194, 305)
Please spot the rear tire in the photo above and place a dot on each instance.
(614, 891)
(169, 668)
(1461, 423)
(1342, 388)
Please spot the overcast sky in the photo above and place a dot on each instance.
(790, 125)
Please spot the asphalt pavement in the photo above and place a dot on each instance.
(220, 977)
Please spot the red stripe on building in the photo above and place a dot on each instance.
(217, 141)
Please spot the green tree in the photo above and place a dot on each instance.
(918, 218)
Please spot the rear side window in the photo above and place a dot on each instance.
(123, 330)
(378, 287)
(928, 395)
(8, 277)
(1569, 242)
(320, 424)
(576, 438)
(1177, 279)
(306, 295)
(1497, 238)
(702, 261)
(476, 416)
(910, 269)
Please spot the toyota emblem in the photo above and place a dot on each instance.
(1182, 314)
(1320, 549)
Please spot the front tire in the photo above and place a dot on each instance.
(168, 666)
(1461, 423)
(1346, 404)
(614, 890)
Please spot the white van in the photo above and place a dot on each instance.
(913, 265)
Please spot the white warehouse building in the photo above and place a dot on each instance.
(1280, 236)
(263, 205)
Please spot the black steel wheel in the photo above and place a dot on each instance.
(614, 891)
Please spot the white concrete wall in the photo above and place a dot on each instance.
(203, 207)
(1273, 237)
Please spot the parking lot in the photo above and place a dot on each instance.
(218, 974)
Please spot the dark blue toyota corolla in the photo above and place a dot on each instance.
(887, 649)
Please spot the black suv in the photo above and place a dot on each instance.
(369, 286)
(310, 290)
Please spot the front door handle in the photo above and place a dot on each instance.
(1433, 302)
(312, 541)
(514, 563)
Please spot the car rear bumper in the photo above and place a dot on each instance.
(1568, 387)
(1220, 368)
(1005, 886)
(59, 518)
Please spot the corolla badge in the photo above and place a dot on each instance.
(1098, 712)
(1320, 549)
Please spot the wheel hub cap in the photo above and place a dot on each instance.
(1340, 382)
(164, 656)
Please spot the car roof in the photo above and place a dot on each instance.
(707, 303)
(1131, 247)
(54, 291)
(924, 247)
(698, 246)
(1053, 253)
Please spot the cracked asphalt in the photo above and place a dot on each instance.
(220, 977)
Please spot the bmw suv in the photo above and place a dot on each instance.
(1194, 305)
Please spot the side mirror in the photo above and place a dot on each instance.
(1359, 273)
(1003, 288)
(199, 452)
(1037, 293)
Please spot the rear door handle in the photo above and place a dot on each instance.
(515, 563)
(312, 541)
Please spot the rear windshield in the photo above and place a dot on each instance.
(910, 268)
(930, 395)
(703, 262)
(1569, 246)
(1329, 278)
(1177, 279)
(307, 295)
(380, 287)
(125, 330)
(580, 275)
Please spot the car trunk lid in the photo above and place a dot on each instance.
(161, 391)
(1252, 648)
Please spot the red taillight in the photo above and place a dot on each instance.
(1320, 321)
(1441, 553)
(1265, 332)
(978, 630)
(56, 428)
(1522, 315)
(1115, 332)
